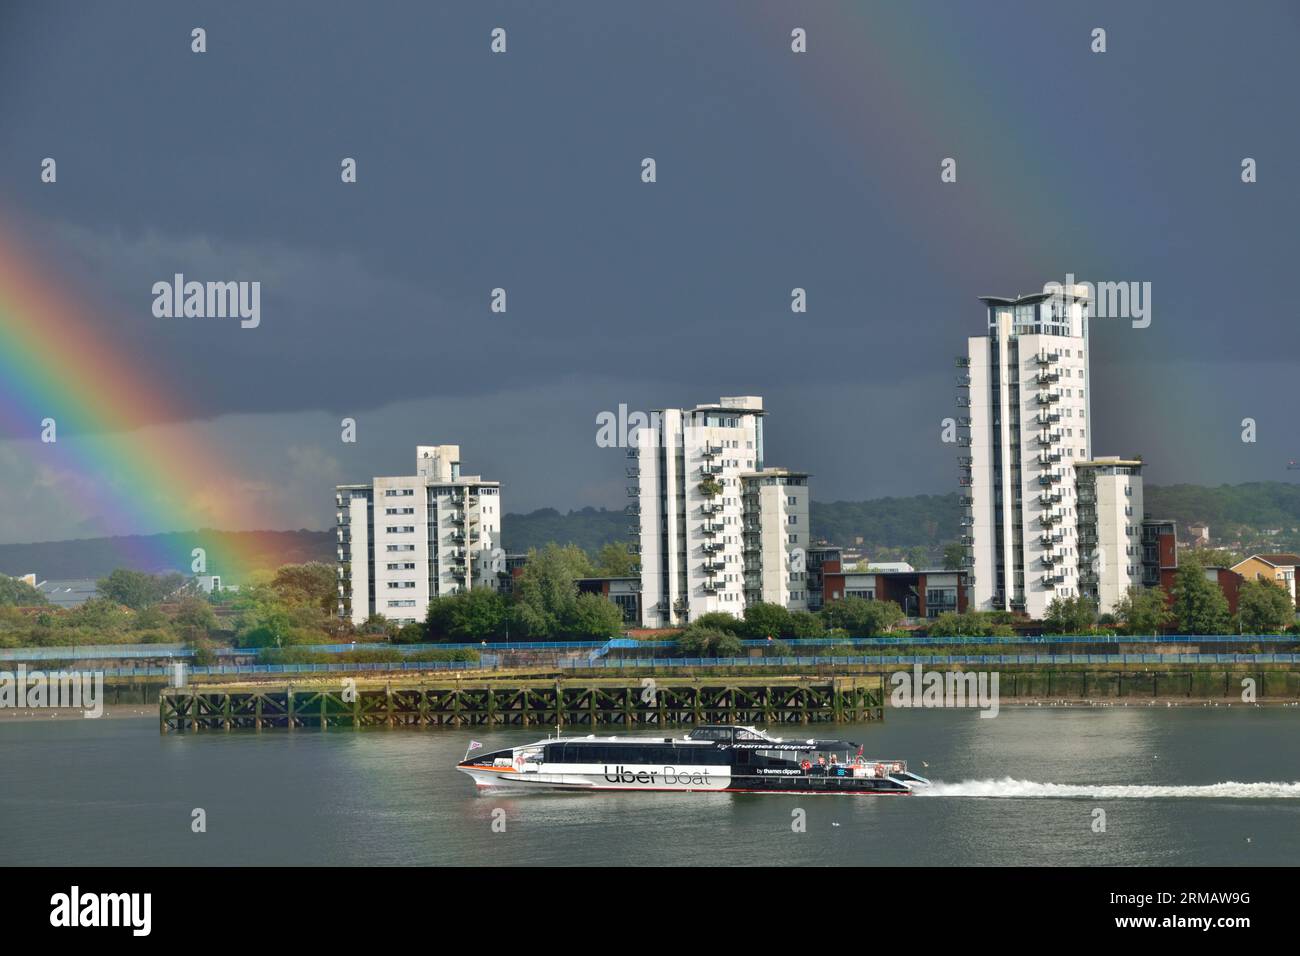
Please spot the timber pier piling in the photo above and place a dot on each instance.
(523, 702)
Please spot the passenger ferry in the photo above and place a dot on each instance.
(714, 757)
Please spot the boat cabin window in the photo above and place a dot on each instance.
(751, 735)
(711, 733)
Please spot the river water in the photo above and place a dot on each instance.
(1178, 786)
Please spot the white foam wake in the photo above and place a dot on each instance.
(1010, 787)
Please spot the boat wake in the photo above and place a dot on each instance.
(1010, 787)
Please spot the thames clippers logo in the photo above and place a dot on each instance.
(671, 776)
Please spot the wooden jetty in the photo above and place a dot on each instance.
(522, 702)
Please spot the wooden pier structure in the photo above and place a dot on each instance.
(528, 702)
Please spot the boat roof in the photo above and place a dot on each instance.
(753, 739)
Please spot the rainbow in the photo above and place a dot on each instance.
(59, 360)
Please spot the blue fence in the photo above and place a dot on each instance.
(668, 663)
(233, 669)
(902, 660)
(600, 650)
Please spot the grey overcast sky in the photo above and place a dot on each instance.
(819, 170)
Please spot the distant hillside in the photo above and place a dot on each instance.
(921, 521)
(589, 528)
(156, 553)
(1268, 504)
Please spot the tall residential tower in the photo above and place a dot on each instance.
(1025, 400)
(717, 531)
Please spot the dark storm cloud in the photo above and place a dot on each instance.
(522, 171)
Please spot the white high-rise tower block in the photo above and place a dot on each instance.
(717, 531)
(1025, 400)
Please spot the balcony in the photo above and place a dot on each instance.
(963, 361)
(1050, 559)
(632, 510)
(1049, 457)
(710, 528)
(1048, 540)
(1048, 417)
(1049, 518)
(634, 548)
(713, 567)
(1049, 438)
(967, 539)
(963, 381)
(711, 508)
(633, 492)
(1047, 378)
(710, 547)
(633, 472)
(632, 453)
(711, 451)
(1053, 578)
(967, 521)
(966, 501)
(1047, 398)
(1051, 478)
(963, 422)
(963, 401)
(1047, 358)
(709, 587)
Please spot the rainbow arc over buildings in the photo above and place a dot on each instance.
(59, 361)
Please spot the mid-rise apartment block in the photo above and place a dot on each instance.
(716, 530)
(403, 541)
(1108, 492)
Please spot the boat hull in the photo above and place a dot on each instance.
(683, 780)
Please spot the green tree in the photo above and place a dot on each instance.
(314, 583)
(1264, 607)
(971, 624)
(547, 592)
(701, 641)
(766, 620)
(719, 620)
(1144, 611)
(410, 633)
(136, 589)
(593, 616)
(1199, 604)
(478, 614)
(952, 556)
(15, 592)
(195, 618)
(615, 561)
(804, 624)
(859, 617)
(918, 557)
(1070, 615)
